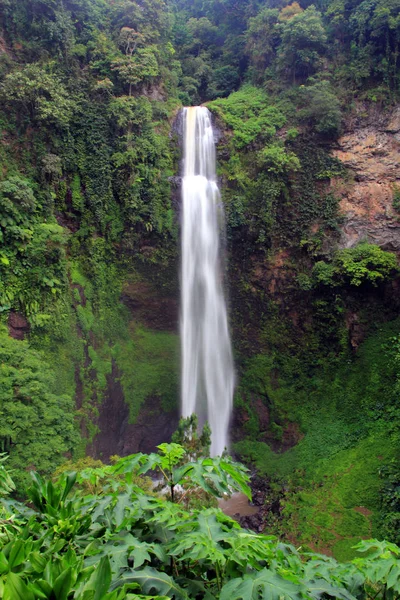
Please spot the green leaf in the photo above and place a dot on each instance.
(62, 585)
(152, 581)
(319, 588)
(17, 554)
(44, 586)
(38, 591)
(37, 561)
(249, 549)
(265, 585)
(4, 566)
(100, 579)
(69, 482)
(16, 589)
(172, 452)
(238, 474)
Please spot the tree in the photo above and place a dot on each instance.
(140, 67)
(39, 94)
(320, 108)
(303, 41)
(17, 206)
(262, 37)
(376, 24)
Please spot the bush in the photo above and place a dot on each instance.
(361, 264)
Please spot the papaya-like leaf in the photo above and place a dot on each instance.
(152, 581)
(128, 463)
(320, 588)
(265, 585)
(238, 475)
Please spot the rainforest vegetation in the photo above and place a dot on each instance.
(90, 94)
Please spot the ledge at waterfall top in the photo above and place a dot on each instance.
(207, 364)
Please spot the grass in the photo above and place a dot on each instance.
(332, 473)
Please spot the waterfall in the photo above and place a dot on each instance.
(207, 366)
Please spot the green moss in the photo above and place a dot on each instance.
(101, 365)
(343, 550)
(148, 363)
(353, 524)
(325, 520)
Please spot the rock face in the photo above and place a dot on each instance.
(117, 436)
(18, 325)
(370, 149)
(147, 305)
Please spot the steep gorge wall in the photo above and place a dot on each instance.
(370, 150)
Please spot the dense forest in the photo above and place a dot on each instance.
(305, 103)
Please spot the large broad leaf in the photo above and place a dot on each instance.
(152, 581)
(128, 463)
(199, 538)
(17, 554)
(320, 588)
(126, 546)
(197, 546)
(100, 580)
(265, 585)
(238, 475)
(377, 548)
(249, 549)
(16, 589)
(62, 585)
(216, 476)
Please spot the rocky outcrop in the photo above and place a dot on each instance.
(18, 325)
(117, 435)
(370, 149)
(148, 306)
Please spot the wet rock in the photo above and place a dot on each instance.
(153, 425)
(262, 412)
(291, 436)
(357, 330)
(253, 522)
(149, 307)
(18, 325)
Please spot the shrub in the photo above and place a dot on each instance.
(361, 264)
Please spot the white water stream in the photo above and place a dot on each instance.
(207, 366)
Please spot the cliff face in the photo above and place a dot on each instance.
(370, 150)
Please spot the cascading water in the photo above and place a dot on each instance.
(207, 366)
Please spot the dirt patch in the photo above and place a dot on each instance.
(363, 511)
